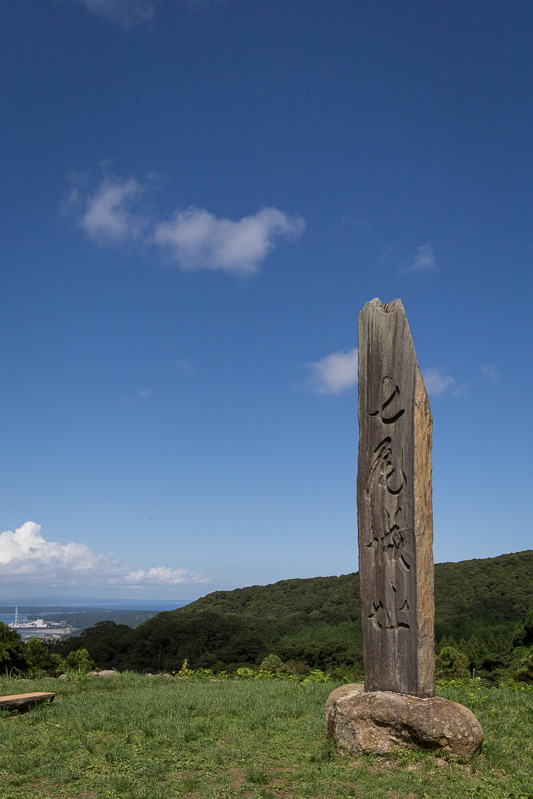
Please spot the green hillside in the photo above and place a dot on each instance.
(483, 594)
(470, 596)
(318, 598)
(316, 623)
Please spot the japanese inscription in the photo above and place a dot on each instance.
(386, 482)
(394, 506)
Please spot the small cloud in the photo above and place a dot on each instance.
(424, 261)
(348, 219)
(437, 382)
(184, 365)
(72, 200)
(108, 215)
(125, 12)
(489, 370)
(161, 575)
(463, 390)
(144, 393)
(387, 252)
(196, 239)
(334, 373)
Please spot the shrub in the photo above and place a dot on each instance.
(40, 660)
(274, 664)
(11, 650)
(525, 668)
(451, 664)
(79, 660)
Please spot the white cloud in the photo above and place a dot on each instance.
(125, 12)
(108, 214)
(424, 260)
(387, 252)
(334, 373)
(462, 390)
(144, 393)
(26, 552)
(193, 238)
(197, 239)
(489, 370)
(27, 558)
(437, 382)
(161, 575)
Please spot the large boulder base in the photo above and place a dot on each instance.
(379, 722)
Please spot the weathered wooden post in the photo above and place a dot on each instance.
(396, 707)
(394, 506)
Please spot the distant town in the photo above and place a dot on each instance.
(56, 622)
(39, 628)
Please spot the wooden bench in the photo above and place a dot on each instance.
(25, 701)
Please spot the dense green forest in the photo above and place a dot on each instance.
(484, 625)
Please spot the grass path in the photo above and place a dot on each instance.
(138, 737)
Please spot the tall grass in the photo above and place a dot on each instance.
(139, 737)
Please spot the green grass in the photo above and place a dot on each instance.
(138, 737)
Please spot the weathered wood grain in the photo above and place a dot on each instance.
(25, 701)
(394, 506)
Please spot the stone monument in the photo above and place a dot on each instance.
(396, 707)
(394, 509)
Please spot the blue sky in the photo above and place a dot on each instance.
(198, 198)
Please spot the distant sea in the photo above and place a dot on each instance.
(34, 607)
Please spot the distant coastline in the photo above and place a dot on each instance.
(8, 605)
(63, 619)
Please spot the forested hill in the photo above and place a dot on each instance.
(332, 599)
(316, 623)
(489, 592)
(485, 593)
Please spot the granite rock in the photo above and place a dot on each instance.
(379, 722)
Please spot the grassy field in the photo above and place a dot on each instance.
(142, 737)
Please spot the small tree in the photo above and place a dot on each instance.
(11, 650)
(451, 664)
(525, 668)
(274, 664)
(79, 660)
(39, 659)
